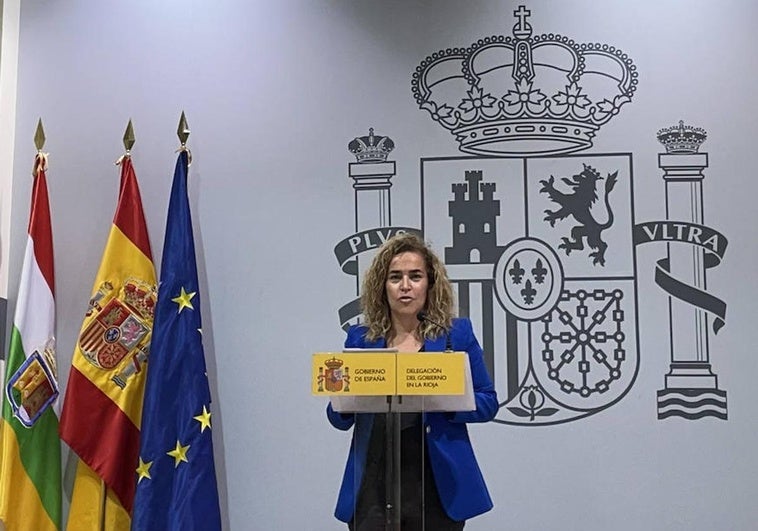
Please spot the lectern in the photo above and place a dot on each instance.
(391, 384)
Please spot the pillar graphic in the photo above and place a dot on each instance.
(691, 388)
(372, 177)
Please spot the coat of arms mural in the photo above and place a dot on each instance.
(538, 231)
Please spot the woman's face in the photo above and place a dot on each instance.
(407, 284)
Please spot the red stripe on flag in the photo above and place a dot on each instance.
(129, 217)
(88, 410)
(39, 230)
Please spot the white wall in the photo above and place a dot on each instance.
(9, 18)
(273, 92)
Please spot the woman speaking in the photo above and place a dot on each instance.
(407, 303)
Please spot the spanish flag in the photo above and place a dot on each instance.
(103, 405)
(30, 476)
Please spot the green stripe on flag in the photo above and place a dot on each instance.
(39, 445)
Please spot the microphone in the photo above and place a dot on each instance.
(422, 316)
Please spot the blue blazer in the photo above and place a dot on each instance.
(456, 473)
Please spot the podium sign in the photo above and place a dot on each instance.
(388, 374)
(430, 374)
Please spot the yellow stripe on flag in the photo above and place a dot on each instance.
(87, 504)
(122, 260)
(24, 507)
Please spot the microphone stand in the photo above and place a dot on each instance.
(392, 448)
(392, 453)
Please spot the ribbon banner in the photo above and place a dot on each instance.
(348, 249)
(711, 241)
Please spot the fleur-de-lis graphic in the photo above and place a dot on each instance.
(528, 292)
(516, 272)
(539, 272)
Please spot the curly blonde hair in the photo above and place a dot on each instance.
(374, 303)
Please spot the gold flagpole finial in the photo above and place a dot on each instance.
(39, 136)
(128, 143)
(129, 137)
(183, 131)
(40, 160)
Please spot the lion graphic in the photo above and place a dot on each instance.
(578, 204)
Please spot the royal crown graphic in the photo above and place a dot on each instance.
(333, 363)
(140, 297)
(371, 148)
(524, 95)
(682, 139)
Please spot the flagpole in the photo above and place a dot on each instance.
(128, 140)
(103, 497)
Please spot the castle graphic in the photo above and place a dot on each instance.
(474, 212)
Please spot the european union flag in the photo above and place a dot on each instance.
(176, 476)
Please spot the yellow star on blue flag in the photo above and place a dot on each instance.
(179, 453)
(143, 470)
(183, 300)
(204, 419)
